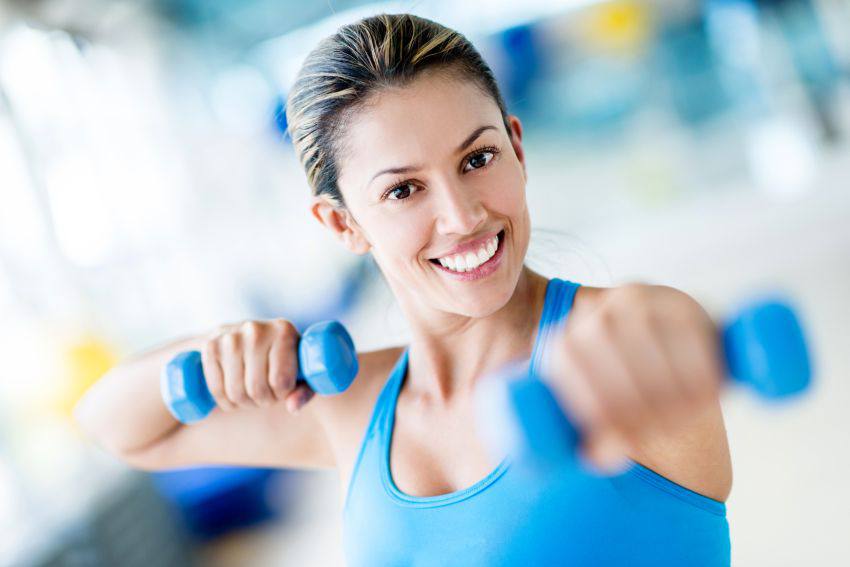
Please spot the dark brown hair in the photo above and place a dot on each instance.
(340, 74)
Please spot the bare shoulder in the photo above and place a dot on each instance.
(345, 416)
(586, 300)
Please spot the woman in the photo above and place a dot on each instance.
(413, 158)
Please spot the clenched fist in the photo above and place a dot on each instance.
(646, 359)
(254, 364)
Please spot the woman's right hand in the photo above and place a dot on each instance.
(254, 364)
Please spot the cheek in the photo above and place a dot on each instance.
(400, 239)
(507, 196)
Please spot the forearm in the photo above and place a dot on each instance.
(124, 410)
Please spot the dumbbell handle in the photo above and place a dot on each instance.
(327, 362)
(763, 347)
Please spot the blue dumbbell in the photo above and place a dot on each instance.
(763, 347)
(327, 361)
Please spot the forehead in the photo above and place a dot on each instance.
(415, 124)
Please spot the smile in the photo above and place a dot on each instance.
(473, 265)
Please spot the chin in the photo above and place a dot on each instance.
(477, 304)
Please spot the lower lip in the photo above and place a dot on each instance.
(481, 271)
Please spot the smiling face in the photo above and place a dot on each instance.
(428, 172)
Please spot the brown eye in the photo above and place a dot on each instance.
(479, 160)
(401, 192)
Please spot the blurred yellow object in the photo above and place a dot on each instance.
(83, 362)
(618, 26)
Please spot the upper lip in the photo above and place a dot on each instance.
(469, 246)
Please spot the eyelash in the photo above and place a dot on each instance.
(483, 149)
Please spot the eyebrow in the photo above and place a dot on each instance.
(465, 144)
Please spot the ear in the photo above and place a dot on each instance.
(341, 223)
(516, 141)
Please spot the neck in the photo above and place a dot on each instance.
(448, 355)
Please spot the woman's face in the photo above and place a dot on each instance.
(425, 169)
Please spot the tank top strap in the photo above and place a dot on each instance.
(386, 400)
(384, 403)
(556, 305)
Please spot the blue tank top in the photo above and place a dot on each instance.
(574, 517)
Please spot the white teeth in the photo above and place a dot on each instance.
(471, 260)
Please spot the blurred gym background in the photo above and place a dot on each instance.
(147, 192)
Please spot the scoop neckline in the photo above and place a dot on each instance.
(390, 486)
(436, 499)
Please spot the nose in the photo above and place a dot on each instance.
(460, 210)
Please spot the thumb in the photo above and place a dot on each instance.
(606, 453)
(296, 399)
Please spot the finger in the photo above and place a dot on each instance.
(234, 371)
(695, 357)
(613, 382)
(296, 399)
(572, 378)
(257, 380)
(566, 378)
(214, 375)
(646, 350)
(256, 372)
(283, 364)
(605, 453)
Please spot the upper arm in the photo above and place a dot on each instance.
(695, 456)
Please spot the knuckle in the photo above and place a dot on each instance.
(636, 291)
(282, 323)
(683, 308)
(286, 330)
(210, 350)
(225, 328)
(251, 331)
(230, 341)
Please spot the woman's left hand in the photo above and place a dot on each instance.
(644, 359)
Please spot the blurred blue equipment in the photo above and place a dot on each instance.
(763, 346)
(212, 501)
(327, 361)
